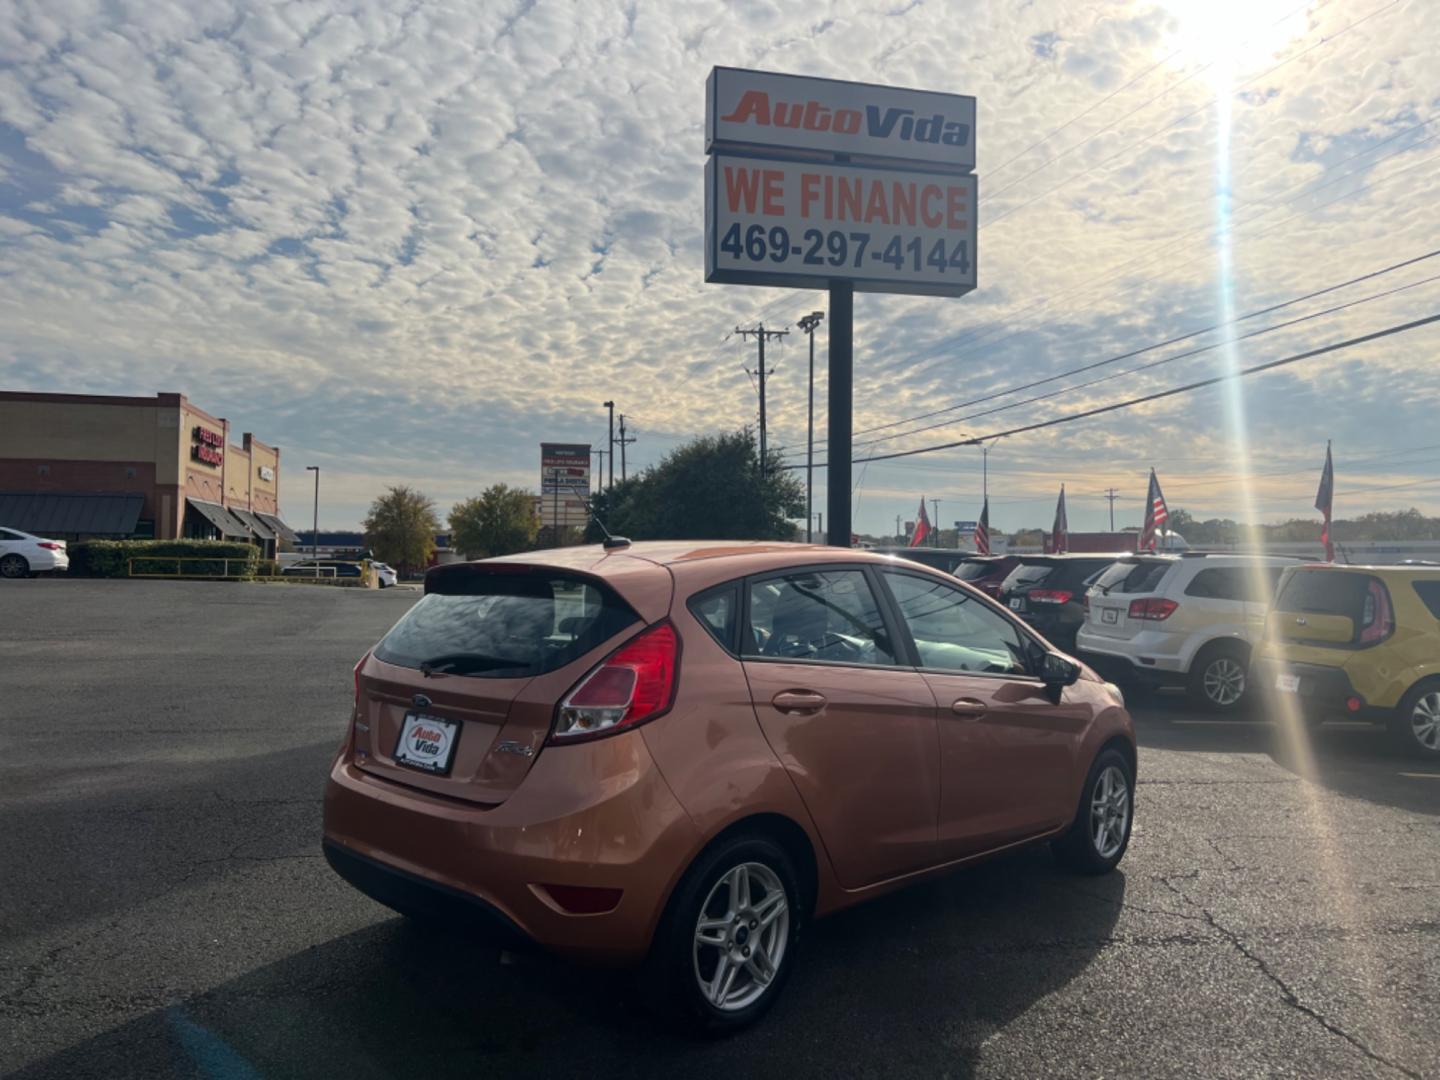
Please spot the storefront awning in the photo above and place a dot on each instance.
(221, 518)
(253, 523)
(283, 531)
(71, 513)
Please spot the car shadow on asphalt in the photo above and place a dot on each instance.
(914, 981)
(1357, 760)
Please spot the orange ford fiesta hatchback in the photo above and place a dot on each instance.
(680, 753)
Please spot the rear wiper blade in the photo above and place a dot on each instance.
(471, 661)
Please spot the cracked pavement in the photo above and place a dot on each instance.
(164, 910)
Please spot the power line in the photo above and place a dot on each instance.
(1145, 399)
(1164, 360)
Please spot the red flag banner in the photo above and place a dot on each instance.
(922, 527)
(1325, 503)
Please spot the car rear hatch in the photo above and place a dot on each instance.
(1119, 601)
(1031, 574)
(458, 698)
(1321, 614)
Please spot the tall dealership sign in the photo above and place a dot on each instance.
(822, 184)
(564, 485)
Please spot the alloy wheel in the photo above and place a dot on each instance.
(741, 936)
(13, 566)
(1224, 681)
(1425, 721)
(1109, 812)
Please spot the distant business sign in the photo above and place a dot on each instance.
(763, 110)
(267, 474)
(966, 526)
(807, 225)
(565, 484)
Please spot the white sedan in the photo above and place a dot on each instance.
(22, 555)
(385, 575)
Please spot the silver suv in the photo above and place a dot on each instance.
(1187, 619)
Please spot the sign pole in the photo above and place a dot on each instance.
(842, 367)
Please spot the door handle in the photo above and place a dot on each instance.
(972, 708)
(798, 701)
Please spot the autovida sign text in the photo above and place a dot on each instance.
(813, 182)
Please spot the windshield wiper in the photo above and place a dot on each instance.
(471, 662)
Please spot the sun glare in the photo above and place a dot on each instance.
(1233, 35)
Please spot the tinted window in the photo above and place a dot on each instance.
(1217, 584)
(953, 631)
(716, 610)
(974, 571)
(1132, 577)
(6, 534)
(1429, 592)
(505, 625)
(1324, 592)
(1029, 574)
(828, 615)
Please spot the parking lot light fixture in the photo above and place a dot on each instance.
(315, 522)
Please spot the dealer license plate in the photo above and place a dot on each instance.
(1288, 683)
(1017, 604)
(1110, 615)
(427, 743)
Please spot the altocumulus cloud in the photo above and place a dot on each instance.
(409, 241)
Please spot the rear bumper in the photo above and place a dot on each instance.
(593, 815)
(1320, 689)
(1152, 656)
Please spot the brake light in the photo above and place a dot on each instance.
(358, 665)
(1087, 604)
(49, 545)
(634, 684)
(1157, 608)
(1050, 596)
(1376, 617)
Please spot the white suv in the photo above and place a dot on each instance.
(22, 555)
(1182, 619)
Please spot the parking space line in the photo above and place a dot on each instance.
(1421, 775)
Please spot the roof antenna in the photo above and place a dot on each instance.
(612, 543)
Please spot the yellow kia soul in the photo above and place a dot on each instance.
(1361, 641)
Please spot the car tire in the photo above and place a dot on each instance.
(1219, 679)
(14, 566)
(1415, 724)
(684, 972)
(1097, 839)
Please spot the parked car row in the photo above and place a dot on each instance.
(1319, 641)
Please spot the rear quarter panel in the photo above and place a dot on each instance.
(1385, 673)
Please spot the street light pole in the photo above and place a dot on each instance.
(315, 523)
(611, 450)
(807, 325)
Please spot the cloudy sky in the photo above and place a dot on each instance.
(408, 241)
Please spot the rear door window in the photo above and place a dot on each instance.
(506, 625)
(1217, 584)
(830, 616)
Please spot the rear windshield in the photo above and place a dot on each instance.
(505, 625)
(1132, 577)
(1324, 592)
(1029, 574)
(974, 571)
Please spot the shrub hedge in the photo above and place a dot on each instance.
(184, 558)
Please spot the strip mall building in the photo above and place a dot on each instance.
(84, 467)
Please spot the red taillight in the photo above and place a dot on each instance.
(634, 684)
(1376, 616)
(1152, 607)
(1050, 596)
(50, 545)
(358, 665)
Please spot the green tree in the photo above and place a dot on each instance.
(498, 521)
(710, 488)
(401, 527)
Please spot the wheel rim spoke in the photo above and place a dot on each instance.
(724, 977)
(770, 909)
(739, 888)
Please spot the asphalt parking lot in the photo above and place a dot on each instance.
(165, 911)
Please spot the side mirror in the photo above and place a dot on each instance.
(1056, 672)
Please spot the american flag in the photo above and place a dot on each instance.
(1156, 515)
(1325, 503)
(982, 529)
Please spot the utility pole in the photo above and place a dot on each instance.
(936, 504)
(611, 406)
(623, 441)
(315, 525)
(821, 527)
(898, 534)
(807, 325)
(1112, 495)
(762, 335)
(841, 391)
(985, 470)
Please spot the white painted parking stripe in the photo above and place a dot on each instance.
(1422, 775)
